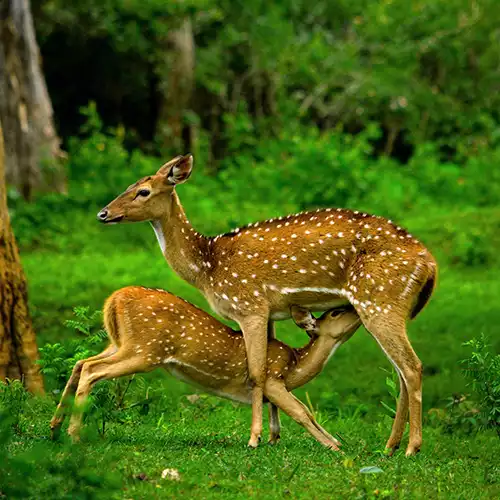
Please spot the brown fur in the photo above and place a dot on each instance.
(152, 329)
(317, 260)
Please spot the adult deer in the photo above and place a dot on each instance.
(149, 329)
(317, 260)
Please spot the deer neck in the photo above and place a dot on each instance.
(311, 360)
(184, 249)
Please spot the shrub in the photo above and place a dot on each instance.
(63, 472)
(482, 368)
(301, 169)
(107, 401)
(57, 360)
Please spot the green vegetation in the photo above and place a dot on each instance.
(205, 441)
(147, 425)
(423, 71)
(389, 107)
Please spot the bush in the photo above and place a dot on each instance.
(107, 401)
(301, 169)
(100, 167)
(482, 368)
(60, 472)
(57, 360)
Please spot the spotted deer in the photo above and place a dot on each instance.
(151, 329)
(317, 260)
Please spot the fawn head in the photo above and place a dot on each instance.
(145, 199)
(336, 322)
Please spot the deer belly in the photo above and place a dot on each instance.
(318, 301)
(236, 388)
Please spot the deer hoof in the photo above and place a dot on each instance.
(254, 442)
(273, 440)
(411, 451)
(55, 432)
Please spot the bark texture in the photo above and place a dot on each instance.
(176, 74)
(33, 158)
(18, 348)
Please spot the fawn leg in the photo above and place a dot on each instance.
(255, 330)
(274, 424)
(70, 388)
(276, 392)
(400, 419)
(315, 423)
(274, 417)
(117, 365)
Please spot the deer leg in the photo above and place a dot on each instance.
(70, 388)
(392, 338)
(274, 424)
(400, 419)
(276, 392)
(255, 331)
(117, 365)
(315, 423)
(271, 330)
(274, 417)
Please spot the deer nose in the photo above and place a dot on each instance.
(102, 214)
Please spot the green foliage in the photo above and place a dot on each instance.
(100, 164)
(392, 384)
(482, 368)
(12, 401)
(57, 360)
(46, 471)
(423, 72)
(302, 169)
(205, 441)
(471, 249)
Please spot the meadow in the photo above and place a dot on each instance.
(385, 107)
(136, 429)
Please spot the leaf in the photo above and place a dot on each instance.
(372, 469)
(388, 408)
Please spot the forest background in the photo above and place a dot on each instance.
(390, 107)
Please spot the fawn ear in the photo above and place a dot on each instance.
(177, 170)
(304, 319)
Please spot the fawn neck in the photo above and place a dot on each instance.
(311, 359)
(184, 249)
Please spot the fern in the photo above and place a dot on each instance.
(57, 360)
(482, 368)
(85, 320)
(391, 383)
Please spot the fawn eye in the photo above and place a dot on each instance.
(143, 192)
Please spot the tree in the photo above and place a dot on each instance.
(18, 349)
(32, 147)
(176, 83)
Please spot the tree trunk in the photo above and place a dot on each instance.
(33, 158)
(176, 74)
(18, 349)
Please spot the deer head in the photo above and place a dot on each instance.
(145, 199)
(335, 323)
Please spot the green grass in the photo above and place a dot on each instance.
(206, 440)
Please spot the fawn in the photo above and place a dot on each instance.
(151, 329)
(317, 260)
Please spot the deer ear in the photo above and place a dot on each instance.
(178, 170)
(304, 319)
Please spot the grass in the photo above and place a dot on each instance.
(205, 441)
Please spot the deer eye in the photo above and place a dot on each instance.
(143, 192)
